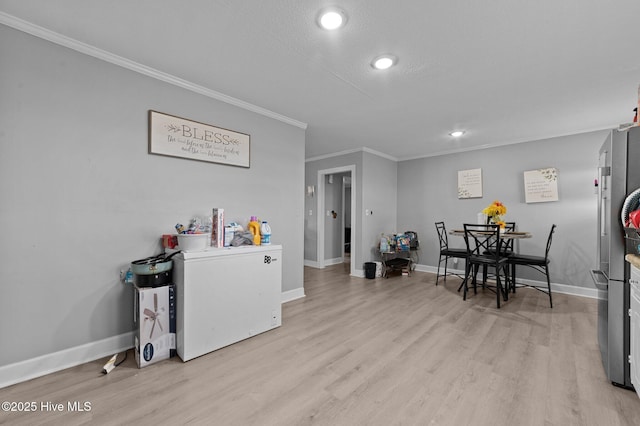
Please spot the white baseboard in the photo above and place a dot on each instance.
(327, 262)
(50, 363)
(336, 261)
(311, 264)
(291, 295)
(314, 264)
(555, 287)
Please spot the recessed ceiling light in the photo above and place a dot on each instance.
(457, 133)
(332, 19)
(384, 62)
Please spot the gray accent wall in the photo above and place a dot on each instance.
(311, 202)
(82, 198)
(414, 194)
(427, 193)
(379, 199)
(375, 186)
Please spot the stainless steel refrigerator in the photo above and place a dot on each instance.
(618, 176)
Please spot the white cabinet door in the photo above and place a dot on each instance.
(634, 309)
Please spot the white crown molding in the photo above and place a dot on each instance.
(351, 151)
(334, 154)
(379, 154)
(78, 46)
(500, 145)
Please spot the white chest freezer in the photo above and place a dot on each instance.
(225, 295)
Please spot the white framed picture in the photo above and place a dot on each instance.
(541, 185)
(470, 183)
(179, 137)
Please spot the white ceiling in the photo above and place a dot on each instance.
(504, 71)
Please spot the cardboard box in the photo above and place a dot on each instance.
(154, 315)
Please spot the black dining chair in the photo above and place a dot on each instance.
(539, 263)
(506, 248)
(507, 245)
(445, 252)
(484, 249)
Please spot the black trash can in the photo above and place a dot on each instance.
(370, 270)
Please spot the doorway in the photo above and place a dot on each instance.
(346, 219)
(324, 212)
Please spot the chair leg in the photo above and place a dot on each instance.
(475, 279)
(485, 274)
(446, 263)
(507, 282)
(513, 277)
(465, 282)
(546, 271)
(464, 287)
(438, 273)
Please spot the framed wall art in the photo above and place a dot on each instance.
(541, 185)
(470, 183)
(179, 137)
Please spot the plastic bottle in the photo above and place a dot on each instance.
(265, 231)
(254, 228)
(384, 244)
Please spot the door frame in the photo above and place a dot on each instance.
(355, 247)
(346, 183)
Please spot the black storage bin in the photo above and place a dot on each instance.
(370, 270)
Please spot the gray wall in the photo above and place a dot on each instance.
(375, 186)
(379, 195)
(427, 190)
(311, 203)
(82, 198)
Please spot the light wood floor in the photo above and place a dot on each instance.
(367, 352)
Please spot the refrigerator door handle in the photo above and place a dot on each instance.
(603, 218)
(603, 171)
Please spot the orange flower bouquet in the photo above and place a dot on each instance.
(495, 211)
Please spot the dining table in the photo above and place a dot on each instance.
(504, 235)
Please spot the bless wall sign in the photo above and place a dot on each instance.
(179, 137)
